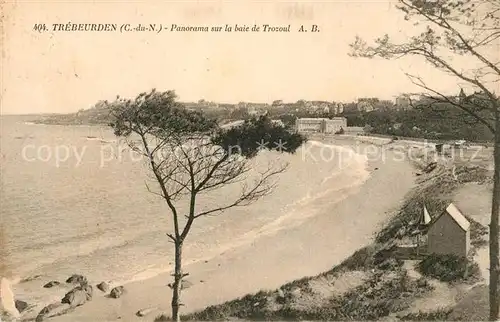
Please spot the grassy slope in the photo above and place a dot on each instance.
(384, 288)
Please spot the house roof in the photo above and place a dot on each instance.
(311, 118)
(426, 218)
(457, 216)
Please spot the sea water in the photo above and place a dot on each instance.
(91, 212)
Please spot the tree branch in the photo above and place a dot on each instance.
(446, 99)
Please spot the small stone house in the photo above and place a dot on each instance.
(449, 233)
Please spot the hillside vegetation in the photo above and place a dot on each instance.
(442, 122)
(380, 280)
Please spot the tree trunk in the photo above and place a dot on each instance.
(176, 287)
(494, 227)
(418, 244)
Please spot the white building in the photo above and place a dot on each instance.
(309, 124)
(336, 124)
(251, 110)
(321, 125)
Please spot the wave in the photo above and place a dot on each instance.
(43, 245)
(360, 158)
(72, 250)
(107, 141)
(100, 139)
(284, 222)
(24, 137)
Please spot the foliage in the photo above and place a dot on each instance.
(288, 119)
(239, 113)
(438, 315)
(253, 133)
(477, 234)
(379, 296)
(162, 318)
(362, 259)
(5, 317)
(158, 114)
(448, 268)
(473, 306)
(445, 123)
(430, 121)
(251, 306)
(471, 173)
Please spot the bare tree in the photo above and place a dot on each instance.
(189, 155)
(448, 29)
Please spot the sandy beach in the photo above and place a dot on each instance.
(309, 249)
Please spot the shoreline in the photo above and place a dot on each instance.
(270, 261)
(35, 277)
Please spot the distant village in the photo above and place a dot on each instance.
(406, 116)
(401, 102)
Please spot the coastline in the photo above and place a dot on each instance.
(322, 242)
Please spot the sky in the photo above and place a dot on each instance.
(62, 72)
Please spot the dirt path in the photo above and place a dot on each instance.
(443, 295)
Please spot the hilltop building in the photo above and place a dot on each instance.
(254, 109)
(251, 110)
(403, 102)
(316, 106)
(461, 96)
(338, 108)
(367, 104)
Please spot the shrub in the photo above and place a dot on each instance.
(360, 260)
(439, 315)
(391, 264)
(422, 282)
(5, 317)
(470, 173)
(448, 268)
(162, 318)
(377, 298)
(251, 306)
(302, 283)
(477, 233)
